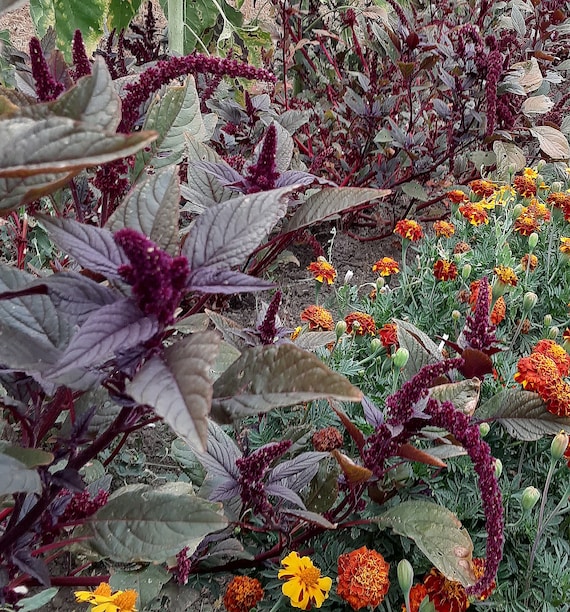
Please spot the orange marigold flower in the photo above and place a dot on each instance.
(566, 335)
(417, 594)
(565, 246)
(535, 371)
(362, 578)
(506, 275)
(539, 210)
(365, 322)
(473, 293)
(446, 595)
(525, 186)
(479, 570)
(444, 228)
(444, 270)
(556, 353)
(499, 311)
(295, 333)
(556, 395)
(386, 266)
(318, 318)
(559, 199)
(457, 196)
(461, 247)
(388, 335)
(482, 188)
(243, 594)
(474, 213)
(410, 229)
(322, 271)
(125, 601)
(529, 261)
(327, 439)
(526, 224)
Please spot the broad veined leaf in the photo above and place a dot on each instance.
(323, 491)
(415, 190)
(268, 377)
(116, 327)
(523, 414)
(530, 75)
(121, 13)
(141, 523)
(15, 192)
(15, 477)
(537, 105)
(93, 100)
(438, 533)
(508, 155)
(463, 394)
(329, 202)
(147, 582)
(178, 387)
(311, 341)
(213, 280)
(58, 145)
(93, 248)
(30, 457)
(552, 141)
(225, 234)
(423, 350)
(298, 472)
(37, 601)
(152, 208)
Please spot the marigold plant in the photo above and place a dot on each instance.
(363, 578)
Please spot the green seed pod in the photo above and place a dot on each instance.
(400, 358)
(547, 320)
(340, 329)
(375, 345)
(529, 498)
(498, 468)
(466, 271)
(556, 186)
(553, 333)
(529, 301)
(405, 576)
(380, 282)
(517, 210)
(484, 429)
(559, 445)
(532, 241)
(455, 315)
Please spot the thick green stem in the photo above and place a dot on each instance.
(176, 26)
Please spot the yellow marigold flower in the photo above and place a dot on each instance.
(530, 173)
(482, 188)
(362, 578)
(318, 318)
(242, 594)
(410, 229)
(526, 224)
(565, 246)
(525, 186)
(499, 311)
(529, 261)
(506, 275)
(104, 600)
(444, 228)
(366, 324)
(457, 196)
(322, 271)
(386, 266)
(304, 585)
(535, 371)
(445, 594)
(295, 333)
(556, 353)
(474, 213)
(444, 270)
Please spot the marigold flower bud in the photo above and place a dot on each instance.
(529, 301)
(517, 210)
(540, 165)
(529, 498)
(455, 315)
(532, 241)
(348, 276)
(405, 575)
(498, 290)
(548, 320)
(400, 358)
(466, 271)
(484, 429)
(559, 445)
(556, 186)
(380, 282)
(340, 328)
(375, 345)
(553, 333)
(498, 468)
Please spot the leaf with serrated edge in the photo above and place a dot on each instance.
(15, 477)
(178, 387)
(329, 202)
(224, 235)
(92, 100)
(202, 186)
(438, 533)
(59, 144)
(152, 208)
(267, 377)
(93, 248)
(141, 523)
(523, 414)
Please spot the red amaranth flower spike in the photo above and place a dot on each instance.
(47, 88)
(80, 59)
(263, 175)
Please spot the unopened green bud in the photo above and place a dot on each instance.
(498, 290)
(484, 429)
(348, 276)
(405, 576)
(529, 301)
(380, 282)
(455, 315)
(556, 186)
(512, 168)
(517, 210)
(553, 333)
(529, 498)
(466, 271)
(547, 320)
(539, 180)
(375, 345)
(540, 165)
(356, 326)
(498, 468)
(532, 241)
(401, 357)
(340, 329)
(559, 445)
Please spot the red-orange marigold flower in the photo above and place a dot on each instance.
(474, 213)
(446, 595)
(365, 322)
(559, 199)
(444, 228)
(529, 261)
(318, 318)
(556, 395)
(322, 271)
(506, 275)
(388, 335)
(565, 245)
(461, 247)
(417, 594)
(242, 594)
(525, 186)
(482, 188)
(386, 266)
(539, 210)
(410, 229)
(457, 196)
(499, 311)
(556, 353)
(362, 578)
(526, 224)
(479, 570)
(327, 439)
(535, 371)
(444, 270)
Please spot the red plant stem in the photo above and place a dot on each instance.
(330, 58)
(76, 581)
(5, 513)
(284, 52)
(57, 545)
(116, 450)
